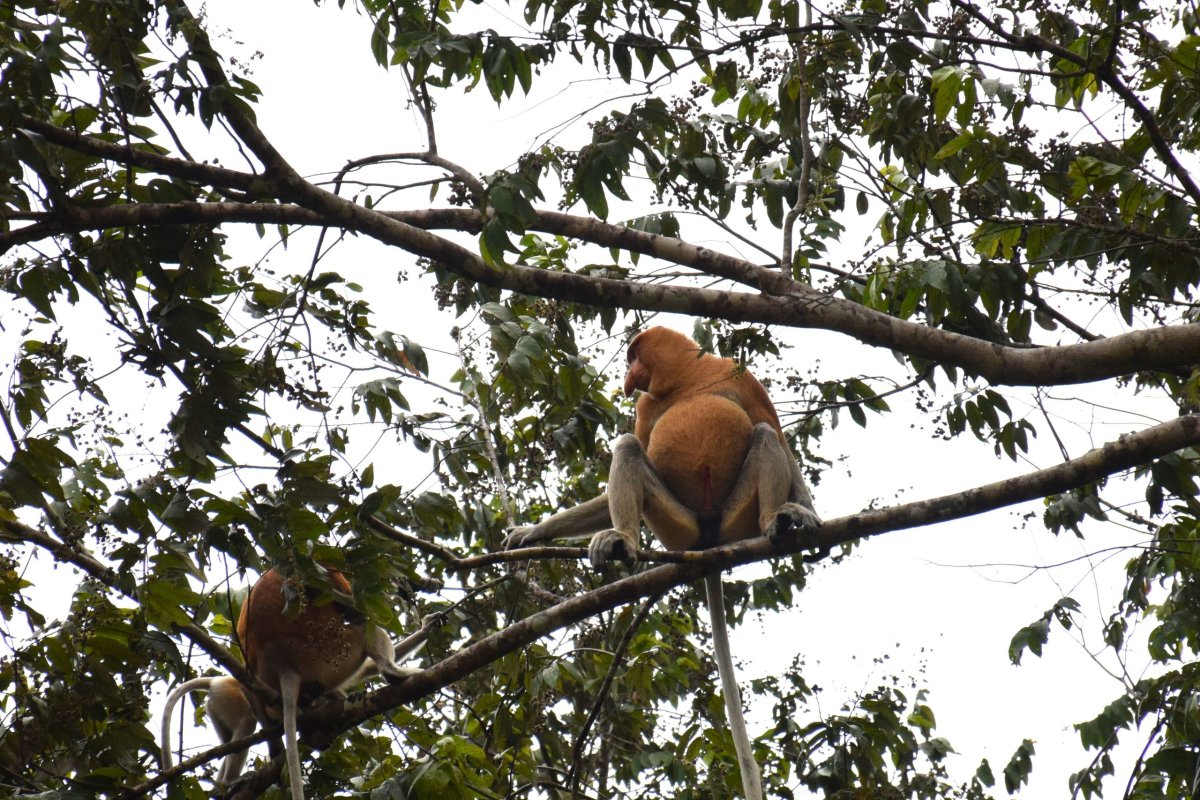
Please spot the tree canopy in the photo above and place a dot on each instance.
(220, 362)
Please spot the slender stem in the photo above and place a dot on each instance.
(618, 657)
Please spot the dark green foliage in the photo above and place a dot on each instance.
(184, 409)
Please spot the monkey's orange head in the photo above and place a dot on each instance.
(657, 357)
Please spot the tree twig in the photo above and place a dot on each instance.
(1165, 347)
(618, 657)
(94, 568)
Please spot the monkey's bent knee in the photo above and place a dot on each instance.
(627, 445)
(763, 433)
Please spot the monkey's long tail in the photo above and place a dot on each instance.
(751, 777)
(169, 711)
(289, 695)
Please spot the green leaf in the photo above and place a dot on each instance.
(954, 146)
(1030, 638)
(946, 84)
(621, 57)
(1019, 767)
(984, 774)
(520, 365)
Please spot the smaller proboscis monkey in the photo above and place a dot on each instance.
(707, 464)
(314, 652)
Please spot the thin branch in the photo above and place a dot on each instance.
(1053, 313)
(803, 105)
(429, 548)
(211, 754)
(94, 568)
(431, 158)
(1136, 771)
(1127, 231)
(618, 657)
(921, 377)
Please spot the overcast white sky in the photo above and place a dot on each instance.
(939, 603)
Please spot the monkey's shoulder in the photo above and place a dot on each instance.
(691, 408)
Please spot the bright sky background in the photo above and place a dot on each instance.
(938, 604)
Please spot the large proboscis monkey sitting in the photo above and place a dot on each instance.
(708, 464)
(305, 655)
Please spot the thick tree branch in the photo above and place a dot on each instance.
(584, 229)
(1128, 451)
(789, 303)
(145, 158)
(240, 118)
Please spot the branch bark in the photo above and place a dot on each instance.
(782, 301)
(1126, 452)
(90, 565)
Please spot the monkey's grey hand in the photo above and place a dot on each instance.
(611, 546)
(433, 621)
(519, 536)
(793, 521)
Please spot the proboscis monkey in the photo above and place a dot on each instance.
(707, 464)
(318, 650)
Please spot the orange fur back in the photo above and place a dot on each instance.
(697, 446)
(317, 641)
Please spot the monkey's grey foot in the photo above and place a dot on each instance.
(516, 537)
(611, 546)
(434, 620)
(793, 521)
